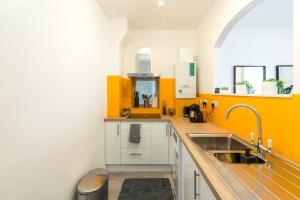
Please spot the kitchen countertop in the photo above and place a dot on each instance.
(276, 179)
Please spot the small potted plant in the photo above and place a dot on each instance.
(270, 87)
(244, 87)
(282, 89)
(250, 88)
(241, 88)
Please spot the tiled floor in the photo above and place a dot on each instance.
(116, 180)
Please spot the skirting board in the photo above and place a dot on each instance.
(139, 168)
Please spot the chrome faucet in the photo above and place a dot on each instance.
(260, 147)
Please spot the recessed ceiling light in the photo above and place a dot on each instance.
(161, 3)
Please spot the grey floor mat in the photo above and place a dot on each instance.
(146, 189)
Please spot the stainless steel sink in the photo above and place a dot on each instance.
(225, 147)
(217, 142)
(238, 157)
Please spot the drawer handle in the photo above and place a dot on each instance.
(195, 185)
(135, 154)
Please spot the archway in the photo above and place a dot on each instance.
(259, 35)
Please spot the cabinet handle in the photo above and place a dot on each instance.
(118, 130)
(167, 130)
(195, 185)
(135, 154)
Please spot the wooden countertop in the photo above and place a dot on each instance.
(276, 179)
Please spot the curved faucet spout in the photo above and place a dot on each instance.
(259, 132)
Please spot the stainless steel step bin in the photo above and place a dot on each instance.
(93, 186)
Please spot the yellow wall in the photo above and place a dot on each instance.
(120, 95)
(280, 116)
(114, 96)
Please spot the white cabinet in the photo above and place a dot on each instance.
(145, 133)
(136, 155)
(159, 143)
(205, 191)
(175, 160)
(194, 185)
(185, 76)
(172, 146)
(191, 179)
(152, 149)
(113, 142)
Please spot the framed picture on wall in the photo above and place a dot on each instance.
(250, 76)
(285, 73)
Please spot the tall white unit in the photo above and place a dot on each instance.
(185, 75)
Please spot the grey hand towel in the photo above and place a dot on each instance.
(135, 133)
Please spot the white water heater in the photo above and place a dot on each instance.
(185, 77)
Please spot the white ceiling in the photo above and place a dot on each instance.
(145, 14)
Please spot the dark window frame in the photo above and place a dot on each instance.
(234, 73)
(277, 70)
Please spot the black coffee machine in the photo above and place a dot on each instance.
(195, 115)
(186, 111)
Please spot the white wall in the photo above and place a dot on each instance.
(118, 28)
(164, 44)
(220, 19)
(52, 85)
(217, 21)
(263, 36)
(257, 47)
(296, 46)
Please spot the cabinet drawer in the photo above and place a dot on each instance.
(144, 142)
(144, 126)
(136, 156)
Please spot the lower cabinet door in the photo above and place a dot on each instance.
(113, 142)
(191, 177)
(205, 191)
(159, 143)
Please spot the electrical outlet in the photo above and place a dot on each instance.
(214, 104)
(201, 102)
(204, 103)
